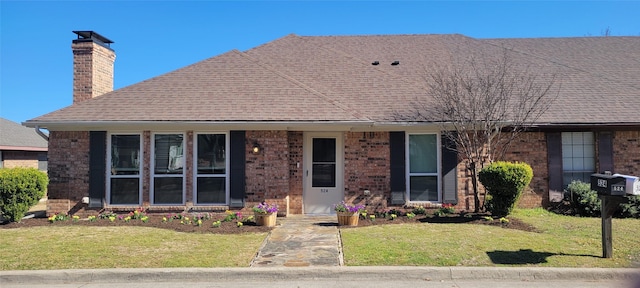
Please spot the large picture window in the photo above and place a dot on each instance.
(124, 184)
(578, 157)
(423, 168)
(168, 169)
(211, 169)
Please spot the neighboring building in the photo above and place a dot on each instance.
(309, 121)
(21, 146)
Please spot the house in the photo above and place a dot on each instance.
(307, 121)
(21, 146)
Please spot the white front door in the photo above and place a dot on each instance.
(323, 181)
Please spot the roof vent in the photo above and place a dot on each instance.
(375, 63)
(394, 63)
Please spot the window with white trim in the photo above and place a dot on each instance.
(422, 168)
(211, 166)
(124, 184)
(168, 160)
(578, 157)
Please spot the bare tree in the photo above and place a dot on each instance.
(482, 104)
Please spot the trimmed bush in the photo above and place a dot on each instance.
(504, 182)
(20, 189)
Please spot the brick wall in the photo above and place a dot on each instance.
(296, 173)
(26, 159)
(367, 167)
(267, 172)
(626, 156)
(68, 170)
(531, 148)
(92, 70)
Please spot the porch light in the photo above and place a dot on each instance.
(256, 148)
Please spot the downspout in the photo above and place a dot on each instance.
(41, 133)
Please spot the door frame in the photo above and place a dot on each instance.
(307, 163)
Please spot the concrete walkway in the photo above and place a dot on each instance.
(301, 241)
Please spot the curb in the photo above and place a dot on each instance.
(384, 273)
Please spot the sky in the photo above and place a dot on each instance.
(152, 38)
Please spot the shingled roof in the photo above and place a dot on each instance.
(13, 136)
(331, 79)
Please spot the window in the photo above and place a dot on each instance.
(211, 169)
(124, 177)
(168, 169)
(578, 157)
(423, 179)
(324, 162)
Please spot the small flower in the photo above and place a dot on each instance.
(76, 218)
(112, 218)
(199, 222)
(145, 218)
(394, 216)
(216, 224)
(164, 219)
(344, 207)
(410, 215)
(487, 218)
(504, 220)
(264, 208)
(372, 217)
(240, 224)
(92, 218)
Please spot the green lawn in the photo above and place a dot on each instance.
(564, 242)
(78, 247)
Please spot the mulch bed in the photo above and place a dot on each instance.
(231, 227)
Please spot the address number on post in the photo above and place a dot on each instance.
(324, 190)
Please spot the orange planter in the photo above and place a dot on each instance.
(348, 218)
(268, 219)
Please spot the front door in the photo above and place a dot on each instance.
(323, 181)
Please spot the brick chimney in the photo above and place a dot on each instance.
(92, 65)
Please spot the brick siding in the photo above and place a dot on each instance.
(296, 172)
(68, 170)
(26, 159)
(626, 159)
(93, 70)
(367, 167)
(267, 172)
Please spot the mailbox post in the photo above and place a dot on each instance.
(612, 190)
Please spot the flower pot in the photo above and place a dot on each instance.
(266, 219)
(348, 218)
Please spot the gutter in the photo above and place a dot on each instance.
(39, 132)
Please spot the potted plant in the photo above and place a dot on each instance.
(348, 214)
(265, 214)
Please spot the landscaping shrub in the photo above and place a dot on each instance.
(583, 200)
(20, 189)
(504, 182)
(631, 209)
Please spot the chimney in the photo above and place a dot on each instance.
(92, 65)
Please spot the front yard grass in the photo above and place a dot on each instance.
(564, 241)
(83, 247)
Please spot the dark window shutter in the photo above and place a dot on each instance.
(237, 177)
(397, 155)
(605, 151)
(554, 160)
(97, 172)
(449, 171)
